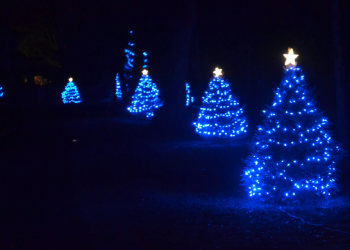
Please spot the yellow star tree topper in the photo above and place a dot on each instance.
(145, 72)
(290, 57)
(217, 72)
(70, 79)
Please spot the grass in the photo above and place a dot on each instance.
(224, 223)
(108, 182)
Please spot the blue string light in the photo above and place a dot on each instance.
(146, 97)
(187, 94)
(71, 93)
(1, 92)
(220, 114)
(293, 155)
(144, 60)
(128, 66)
(118, 89)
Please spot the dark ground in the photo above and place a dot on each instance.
(80, 178)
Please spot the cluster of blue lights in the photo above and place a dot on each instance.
(220, 114)
(129, 58)
(70, 94)
(118, 89)
(187, 94)
(146, 97)
(1, 92)
(128, 66)
(293, 154)
(144, 60)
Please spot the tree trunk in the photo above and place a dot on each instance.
(172, 116)
(342, 114)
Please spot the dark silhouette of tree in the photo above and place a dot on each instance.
(172, 116)
(342, 109)
(38, 43)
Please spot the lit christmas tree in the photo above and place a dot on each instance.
(118, 89)
(293, 155)
(220, 115)
(1, 92)
(145, 99)
(128, 66)
(188, 92)
(70, 94)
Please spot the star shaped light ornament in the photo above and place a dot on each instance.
(290, 57)
(70, 79)
(217, 72)
(145, 72)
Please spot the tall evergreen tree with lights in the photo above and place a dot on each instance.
(118, 89)
(129, 63)
(71, 94)
(188, 92)
(146, 97)
(293, 156)
(220, 115)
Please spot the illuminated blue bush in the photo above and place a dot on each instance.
(293, 155)
(146, 97)
(1, 92)
(220, 115)
(188, 94)
(70, 94)
(144, 60)
(189, 98)
(118, 89)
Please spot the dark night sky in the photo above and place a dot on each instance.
(245, 38)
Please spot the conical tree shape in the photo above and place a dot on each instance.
(146, 97)
(293, 155)
(118, 89)
(220, 115)
(71, 93)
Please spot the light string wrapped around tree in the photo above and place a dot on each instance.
(220, 115)
(71, 93)
(293, 155)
